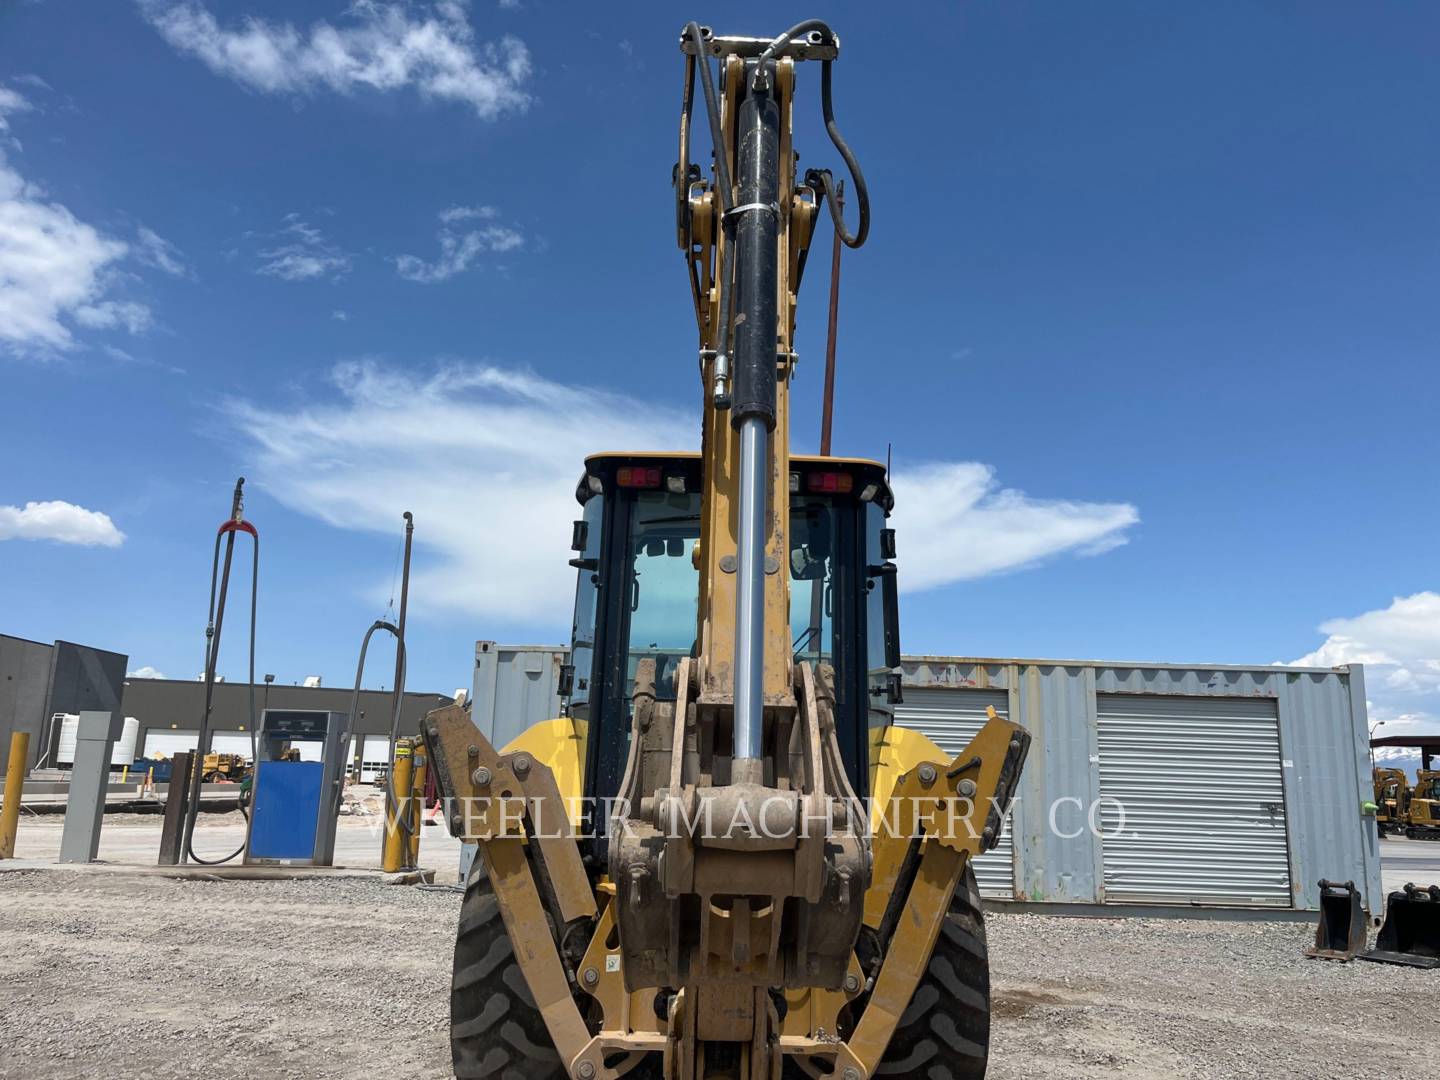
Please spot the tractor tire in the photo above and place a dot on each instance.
(945, 1033)
(495, 1029)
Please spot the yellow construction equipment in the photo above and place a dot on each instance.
(219, 768)
(1422, 818)
(680, 878)
(1392, 799)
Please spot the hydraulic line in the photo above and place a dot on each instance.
(724, 193)
(394, 631)
(215, 623)
(819, 179)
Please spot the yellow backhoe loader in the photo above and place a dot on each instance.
(1392, 800)
(726, 860)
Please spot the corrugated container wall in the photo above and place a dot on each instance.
(1160, 784)
(515, 686)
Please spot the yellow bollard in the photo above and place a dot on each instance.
(417, 802)
(124, 774)
(396, 845)
(14, 785)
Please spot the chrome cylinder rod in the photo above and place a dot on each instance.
(750, 591)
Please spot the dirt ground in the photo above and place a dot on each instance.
(110, 975)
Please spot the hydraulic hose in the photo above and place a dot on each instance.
(820, 179)
(724, 193)
(215, 623)
(392, 804)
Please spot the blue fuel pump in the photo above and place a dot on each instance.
(299, 779)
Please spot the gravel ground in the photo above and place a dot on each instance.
(140, 977)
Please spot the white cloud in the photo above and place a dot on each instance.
(301, 252)
(146, 672)
(340, 316)
(459, 248)
(1400, 648)
(63, 522)
(452, 214)
(958, 524)
(108, 314)
(380, 46)
(11, 101)
(155, 251)
(54, 270)
(488, 457)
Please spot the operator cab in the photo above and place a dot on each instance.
(638, 587)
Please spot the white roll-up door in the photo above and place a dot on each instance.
(375, 757)
(232, 742)
(951, 718)
(159, 742)
(1193, 801)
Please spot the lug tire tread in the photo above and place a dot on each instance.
(495, 1029)
(944, 1034)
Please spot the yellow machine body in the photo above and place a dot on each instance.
(1423, 807)
(611, 926)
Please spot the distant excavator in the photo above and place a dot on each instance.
(681, 877)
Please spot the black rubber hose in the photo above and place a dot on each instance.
(723, 190)
(210, 661)
(391, 803)
(820, 179)
(712, 110)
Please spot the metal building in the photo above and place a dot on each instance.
(1158, 784)
(38, 680)
(169, 714)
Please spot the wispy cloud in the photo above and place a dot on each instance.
(340, 316)
(11, 102)
(300, 252)
(155, 251)
(110, 314)
(1400, 648)
(122, 356)
(959, 524)
(146, 672)
(466, 233)
(487, 458)
(62, 522)
(430, 48)
(56, 273)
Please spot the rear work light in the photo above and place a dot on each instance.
(829, 482)
(637, 476)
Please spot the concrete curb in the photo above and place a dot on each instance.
(197, 872)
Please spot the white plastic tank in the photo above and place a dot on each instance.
(122, 753)
(124, 750)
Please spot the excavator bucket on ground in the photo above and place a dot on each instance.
(1341, 932)
(1411, 934)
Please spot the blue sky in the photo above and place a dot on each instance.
(1148, 314)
